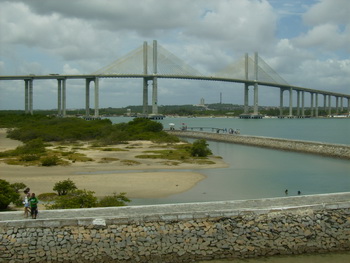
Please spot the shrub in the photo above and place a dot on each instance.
(29, 158)
(75, 199)
(200, 148)
(18, 186)
(35, 146)
(64, 187)
(50, 160)
(7, 194)
(114, 200)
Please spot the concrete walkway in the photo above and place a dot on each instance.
(190, 210)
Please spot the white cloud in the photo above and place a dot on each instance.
(326, 36)
(68, 70)
(80, 37)
(328, 11)
(329, 23)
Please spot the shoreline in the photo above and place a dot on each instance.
(145, 179)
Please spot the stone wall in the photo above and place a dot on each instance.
(180, 232)
(327, 149)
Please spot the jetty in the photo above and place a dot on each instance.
(326, 149)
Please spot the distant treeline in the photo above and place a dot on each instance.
(29, 127)
(214, 109)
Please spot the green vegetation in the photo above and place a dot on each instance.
(200, 148)
(114, 200)
(70, 197)
(49, 129)
(37, 130)
(64, 187)
(75, 199)
(181, 153)
(9, 193)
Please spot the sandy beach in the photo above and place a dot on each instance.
(110, 171)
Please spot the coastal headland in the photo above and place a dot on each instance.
(326, 149)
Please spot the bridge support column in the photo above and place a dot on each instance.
(30, 97)
(96, 81)
(96, 97)
(290, 102)
(325, 103)
(312, 104)
(155, 96)
(337, 105)
(87, 97)
(256, 105)
(59, 97)
(155, 80)
(145, 96)
(26, 95)
(303, 104)
(329, 105)
(348, 105)
(246, 98)
(298, 103)
(63, 97)
(316, 105)
(281, 102)
(145, 80)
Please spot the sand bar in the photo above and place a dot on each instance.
(150, 178)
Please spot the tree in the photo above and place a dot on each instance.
(75, 199)
(18, 186)
(200, 148)
(114, 200)
(7, 194)
(64, 187)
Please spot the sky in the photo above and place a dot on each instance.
(307, 42)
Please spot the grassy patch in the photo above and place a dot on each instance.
(47, 197)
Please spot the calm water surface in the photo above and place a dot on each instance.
(258, 173)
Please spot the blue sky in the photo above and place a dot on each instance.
(306, 42)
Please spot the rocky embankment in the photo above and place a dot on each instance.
(180, 233)
(326, 149)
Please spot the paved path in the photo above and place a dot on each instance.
(193, 209)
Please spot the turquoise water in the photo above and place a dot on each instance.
(260, 173)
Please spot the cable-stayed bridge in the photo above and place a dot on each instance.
(151, 62)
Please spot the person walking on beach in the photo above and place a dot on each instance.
(33, 201)
(26, 205)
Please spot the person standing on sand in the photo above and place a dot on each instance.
(33, 201)
(26, 205)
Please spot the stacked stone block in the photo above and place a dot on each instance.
(179, 237)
